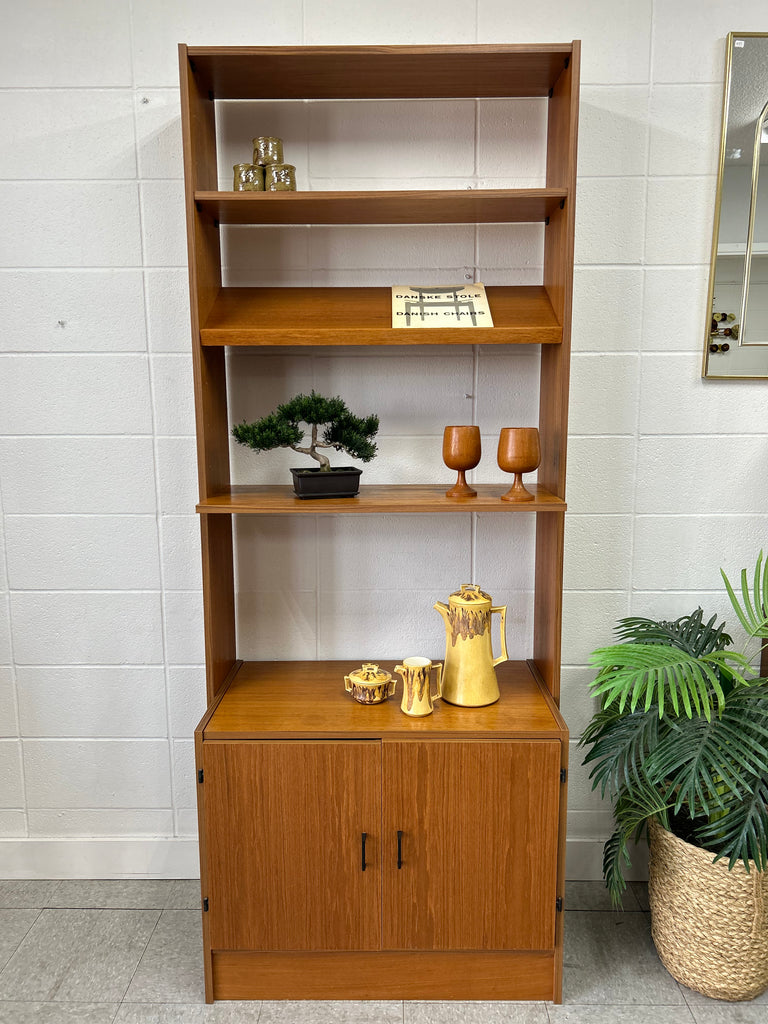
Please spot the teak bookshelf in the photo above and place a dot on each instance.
(352, 852)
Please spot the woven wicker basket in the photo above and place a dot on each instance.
(709, 924)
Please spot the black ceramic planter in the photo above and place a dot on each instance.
(343, 482)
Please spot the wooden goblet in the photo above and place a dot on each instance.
(519, 453)
(461, 451)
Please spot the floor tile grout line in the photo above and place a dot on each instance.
(607, 1003)
(52, 896)
(23, 937)
(138, 962)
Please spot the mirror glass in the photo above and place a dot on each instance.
(736, 335)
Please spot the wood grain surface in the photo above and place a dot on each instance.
(427, 206)
(268, 499)
(284, 824)
(307, 699)
(548, 599)
(378, 72)
(218, 600)
(382, 975)
(479, 826)
(363, 316)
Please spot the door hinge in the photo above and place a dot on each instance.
(558, 903)
(563, 775)
(200, 775)
(205, 904)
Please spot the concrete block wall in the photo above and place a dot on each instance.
(101, 679)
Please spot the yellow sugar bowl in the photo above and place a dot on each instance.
(370, 684)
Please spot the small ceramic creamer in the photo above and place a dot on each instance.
(417, 698)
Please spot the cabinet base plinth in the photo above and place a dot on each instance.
(385, 975)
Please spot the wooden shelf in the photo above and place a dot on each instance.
(459, 206)
(306, 699)
(375, 498)
(378, 72)
(363, 316)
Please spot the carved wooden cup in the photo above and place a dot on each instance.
(519, 452)
(461, 451)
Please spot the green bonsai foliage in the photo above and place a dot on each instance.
(341, 429)
(681, 734)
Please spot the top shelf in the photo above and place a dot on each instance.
(459, 206)
(378, 72)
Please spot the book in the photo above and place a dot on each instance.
(464, 305)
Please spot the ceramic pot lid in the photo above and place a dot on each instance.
(369, 673)
(470, 595)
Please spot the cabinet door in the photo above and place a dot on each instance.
(283, 844)
(478, 851)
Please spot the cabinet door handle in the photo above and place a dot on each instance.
(399, 849)
(364, 837)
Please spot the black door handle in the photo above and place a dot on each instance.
(399, 849)
(364, 837)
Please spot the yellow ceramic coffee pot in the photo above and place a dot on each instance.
(469, 678)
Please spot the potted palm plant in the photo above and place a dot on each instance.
(332, 426)
(680, 744)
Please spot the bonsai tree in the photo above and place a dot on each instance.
(341, 429)
(681, 733)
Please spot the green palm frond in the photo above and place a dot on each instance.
(631, 811)
(620, 742)
(634, 674)
(615, 859)
(741, 832)
(701, 761)
(753, 613)
(690, 633)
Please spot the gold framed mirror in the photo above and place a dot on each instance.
(736, 332)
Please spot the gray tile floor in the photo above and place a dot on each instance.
(130, 952)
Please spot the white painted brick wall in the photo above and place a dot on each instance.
(92, 701)
(82, 553)
(76, 133)
(101, 679)
(96, 773)
(44, 394)
(70, 224)
(71, 310)
(48, 475)
(8, 719)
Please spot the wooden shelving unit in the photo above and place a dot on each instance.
(344, 850)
